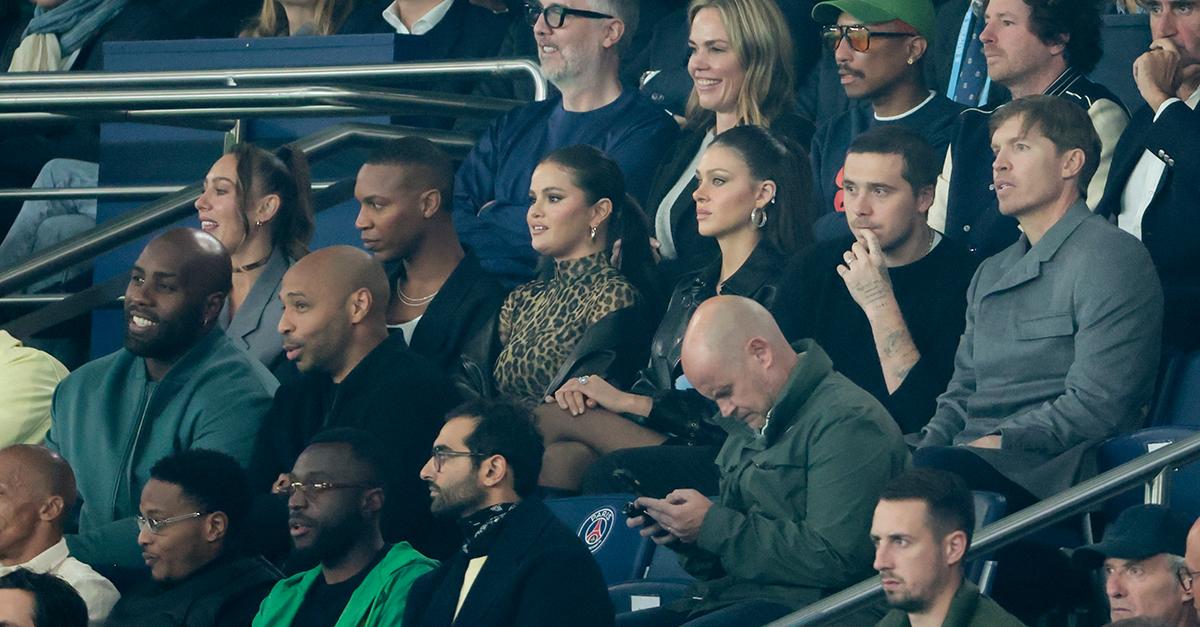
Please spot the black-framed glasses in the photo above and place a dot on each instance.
(556, 13)
(1186, 577)
(156, 526)
(439, 454)
(285, 486)
(857, 35)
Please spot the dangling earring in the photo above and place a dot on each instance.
(592, 232)
(758, 217)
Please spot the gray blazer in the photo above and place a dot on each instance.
(1059, 353)
(255, 326)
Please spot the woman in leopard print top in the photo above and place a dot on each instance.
(578, 208)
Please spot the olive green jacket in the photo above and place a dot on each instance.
(968, 609)
(793, 518)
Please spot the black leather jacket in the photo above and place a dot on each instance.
(682, 414)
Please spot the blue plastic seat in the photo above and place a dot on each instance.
(599, 522)
(989, 507)
(1184, 490)
(1178, 402)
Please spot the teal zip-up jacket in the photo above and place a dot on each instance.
(377, 602)
(793, 519)
(111, 428)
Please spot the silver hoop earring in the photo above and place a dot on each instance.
(592, 232)
(758, 217)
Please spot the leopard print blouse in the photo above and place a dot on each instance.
(541, 321)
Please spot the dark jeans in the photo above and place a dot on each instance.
(978, 474)
(742, 614)
(659, 468)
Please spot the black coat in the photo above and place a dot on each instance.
(224, 593)
(682, 414)
(394, 394)
(1171, 224)
(465, 306)
(537, 573)
(465, 32)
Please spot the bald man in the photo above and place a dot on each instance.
(1192, 562)
(178, 383)
(354, 375)
(37, 489)
(807, 455)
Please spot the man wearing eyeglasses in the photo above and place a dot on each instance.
(193, 513)
(1143, 565)
(519, 565)
(1031, 47)
(579, 49)
(879, 47)
(335, 494)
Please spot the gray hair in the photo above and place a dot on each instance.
(628, 12)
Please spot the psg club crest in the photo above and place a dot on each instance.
(596, 527)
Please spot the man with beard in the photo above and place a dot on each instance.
(879, 47)
(178, 383)
(519, 564)
(355, 375)
(335, 494)
(193, 516)
(579, 49)
(922, 529)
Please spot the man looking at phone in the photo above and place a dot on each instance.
(807, 455)
(518, 565)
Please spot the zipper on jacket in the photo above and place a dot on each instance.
(127, 460)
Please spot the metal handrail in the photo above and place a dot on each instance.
(1081, 498)
(14, 105)
(115, 192)
(237, 77)
(173, 207)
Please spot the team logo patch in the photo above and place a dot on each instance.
(595, 529)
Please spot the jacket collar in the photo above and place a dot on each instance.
(266, 287)
(195, 357)
(762, 264)
(1064, 82)
(1026, 262)
(521, 529)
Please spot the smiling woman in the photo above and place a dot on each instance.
(742, 73)
(258, 205)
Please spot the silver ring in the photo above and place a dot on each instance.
(582, 380)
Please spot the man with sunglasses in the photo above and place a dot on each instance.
(519, 564)
(193, 514)
(335, 494)
(879, 47)
(1032, 47)
(1143, 566)
(579, 45)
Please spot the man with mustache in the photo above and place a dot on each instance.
(193, 517)
(921, 530)
(519, 565)
(179, 383)
(888, 303)
(1032, 47)
(335, 494)
(355, 375)
(879, 47)
(579, 50)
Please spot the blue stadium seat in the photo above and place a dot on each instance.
(600, 524)
(1184, 493)
(1123, 38)
(1178, 401)
(989, 507)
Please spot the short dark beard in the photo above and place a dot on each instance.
(910, 605)
(333, 542)
(460, 499)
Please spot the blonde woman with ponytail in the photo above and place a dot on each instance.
(258, 204)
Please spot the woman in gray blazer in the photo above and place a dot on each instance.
(259, 205)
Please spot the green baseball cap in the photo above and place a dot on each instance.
(915, 13)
